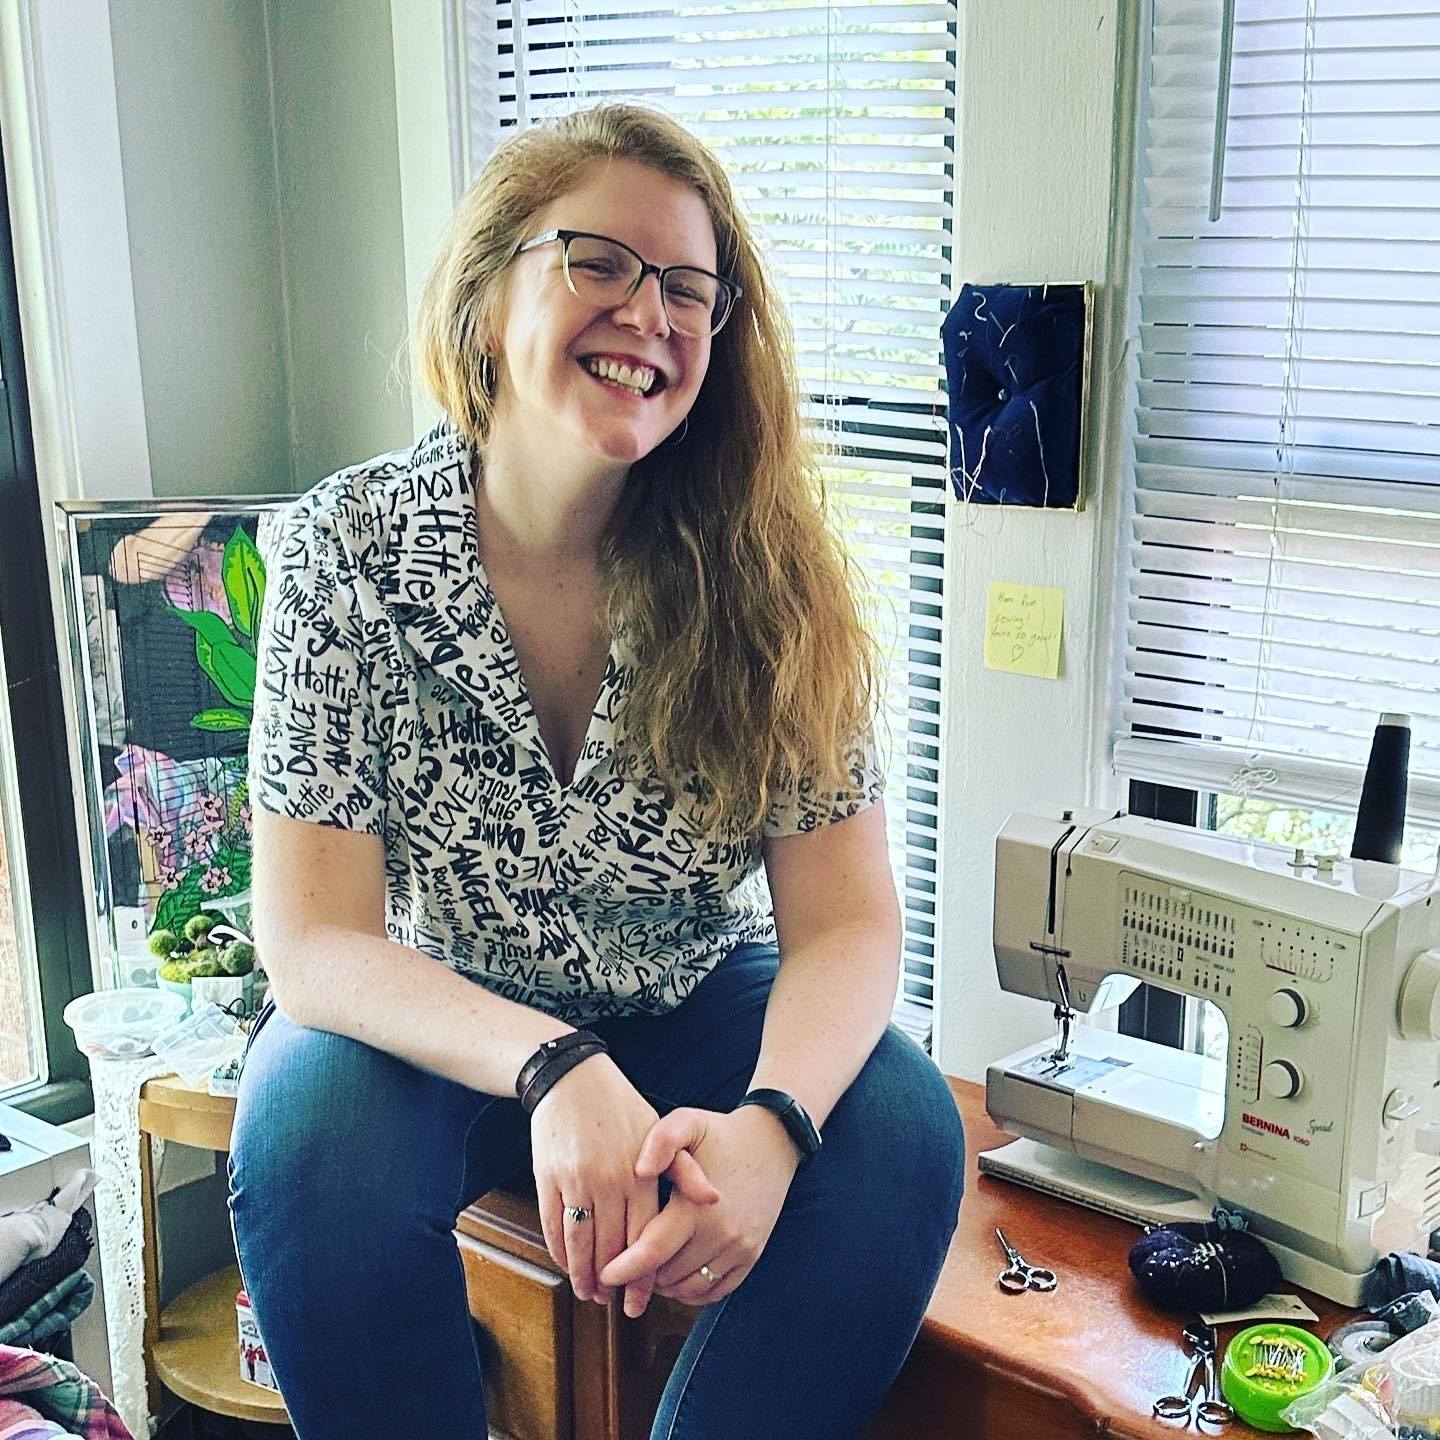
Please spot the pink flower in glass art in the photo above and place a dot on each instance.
(215, 879)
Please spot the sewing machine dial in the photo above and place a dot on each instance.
(1283, 1079)
(1287, 1009)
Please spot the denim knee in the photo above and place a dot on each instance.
(913, 1142)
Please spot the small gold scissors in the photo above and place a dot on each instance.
(1017, 1276)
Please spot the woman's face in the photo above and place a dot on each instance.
(549, 400)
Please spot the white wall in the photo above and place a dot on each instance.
(198, 159)
(1038, 107)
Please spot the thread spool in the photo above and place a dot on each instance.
(1380, 823)
(1358, 1342)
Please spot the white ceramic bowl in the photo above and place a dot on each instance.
(122, 1022)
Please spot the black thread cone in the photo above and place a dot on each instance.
(1380, 824)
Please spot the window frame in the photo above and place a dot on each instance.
(1202, 760)
(54, 895)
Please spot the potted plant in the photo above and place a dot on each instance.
(209, 963)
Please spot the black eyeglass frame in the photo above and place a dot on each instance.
(646, 268)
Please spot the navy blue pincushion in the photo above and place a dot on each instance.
(1014, 366)
(1192, 1266)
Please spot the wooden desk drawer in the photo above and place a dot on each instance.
(557, 1369)
(526, 1315)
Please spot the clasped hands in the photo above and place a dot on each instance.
(603, 1150)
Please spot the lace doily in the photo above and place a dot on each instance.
(116, 1156)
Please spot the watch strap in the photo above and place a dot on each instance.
(791, 1114)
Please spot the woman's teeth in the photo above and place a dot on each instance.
(638, 379)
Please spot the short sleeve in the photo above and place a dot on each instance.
(806, 806)
(315, 753)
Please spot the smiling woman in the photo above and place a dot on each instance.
(536, 701)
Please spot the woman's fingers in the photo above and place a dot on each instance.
(580, 1249)
(680, 1130)
(609, 1227)
(643, 1207)
(692, 1287)
(689, 1178)
(686, 1262)
(662, 1238)
(552, 1223)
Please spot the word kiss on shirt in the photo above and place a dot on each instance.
(389, 700)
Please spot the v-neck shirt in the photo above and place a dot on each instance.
(389, 700)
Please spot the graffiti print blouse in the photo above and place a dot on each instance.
(389, 700)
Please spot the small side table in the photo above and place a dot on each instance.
(191, 1344)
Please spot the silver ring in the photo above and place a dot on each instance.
(577, 1213)
(710, 1276)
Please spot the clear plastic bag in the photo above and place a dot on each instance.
(1397, 1397)
(202, 1040)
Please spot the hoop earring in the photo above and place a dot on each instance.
(684, 431)
(487, 375)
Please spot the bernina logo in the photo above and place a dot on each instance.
(1269, 1126)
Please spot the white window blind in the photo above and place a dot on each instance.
(837, 124)
(1284, 555)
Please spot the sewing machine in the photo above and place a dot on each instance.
(1322, 1121)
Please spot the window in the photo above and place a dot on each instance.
(44, 953)
(837, 122)
(1282, 583)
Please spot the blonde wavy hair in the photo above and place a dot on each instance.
(753, 669)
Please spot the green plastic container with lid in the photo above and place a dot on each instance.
(1260, 1388)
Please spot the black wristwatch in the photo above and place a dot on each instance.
(798, 1125)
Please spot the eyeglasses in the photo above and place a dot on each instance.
(605, 272)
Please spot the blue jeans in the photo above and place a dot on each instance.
(349, 1167)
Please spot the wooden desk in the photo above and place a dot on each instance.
(1086, 1360)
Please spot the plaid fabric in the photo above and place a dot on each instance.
(20, 1422)
(60, 1393)
(38, 1277)
(52, 1314)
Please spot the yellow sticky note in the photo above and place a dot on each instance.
(1022, 628)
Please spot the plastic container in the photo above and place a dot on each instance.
(1258, 1397)
(205, 1038)
(1410, 1388)
(121, 1022)
(178, 988)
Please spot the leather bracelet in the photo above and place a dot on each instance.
(549, 1050)
(555, 1070)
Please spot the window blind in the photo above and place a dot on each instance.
(1283, 579)
(837, 124)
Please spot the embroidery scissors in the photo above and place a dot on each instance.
(1207, 1407)
(1017, 1276)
